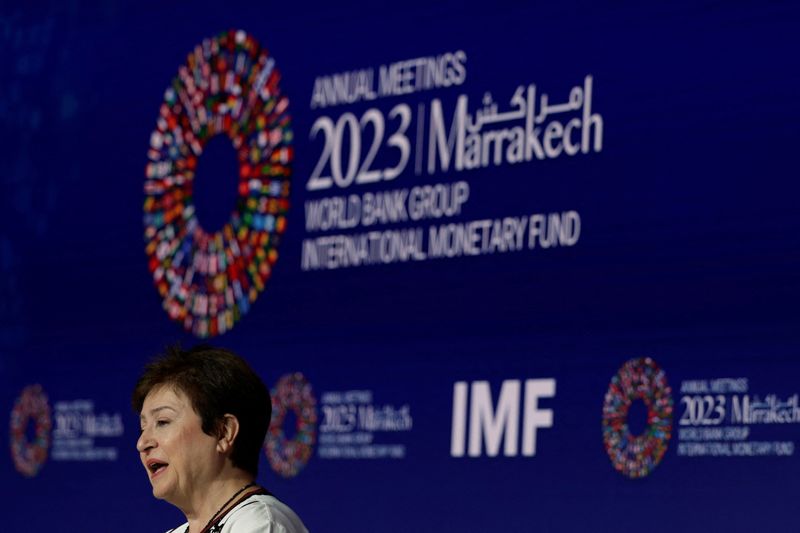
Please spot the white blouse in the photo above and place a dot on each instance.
(260, 513)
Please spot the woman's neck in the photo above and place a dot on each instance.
(220, 496)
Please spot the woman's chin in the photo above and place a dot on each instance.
(162, 489)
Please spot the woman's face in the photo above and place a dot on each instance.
(179, 458)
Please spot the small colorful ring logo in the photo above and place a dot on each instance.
(638, 379)
(288, 456)
(229, 85)
(30, 456)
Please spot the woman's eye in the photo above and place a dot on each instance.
(162, 422)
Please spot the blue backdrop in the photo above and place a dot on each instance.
(610, 188)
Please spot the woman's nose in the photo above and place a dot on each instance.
(145, 441)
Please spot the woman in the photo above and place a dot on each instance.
(204, 414)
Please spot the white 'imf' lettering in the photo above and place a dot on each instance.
(491, 425)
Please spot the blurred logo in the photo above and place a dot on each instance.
(29, 455)
(287, 456)
(67, 431)
(635, 456)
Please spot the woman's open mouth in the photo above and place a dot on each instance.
(155, 468)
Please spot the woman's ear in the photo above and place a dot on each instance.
(229, 429)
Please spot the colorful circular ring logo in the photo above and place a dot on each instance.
(229, 85)
(288, 456)
(638, 379)
(30, 456)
